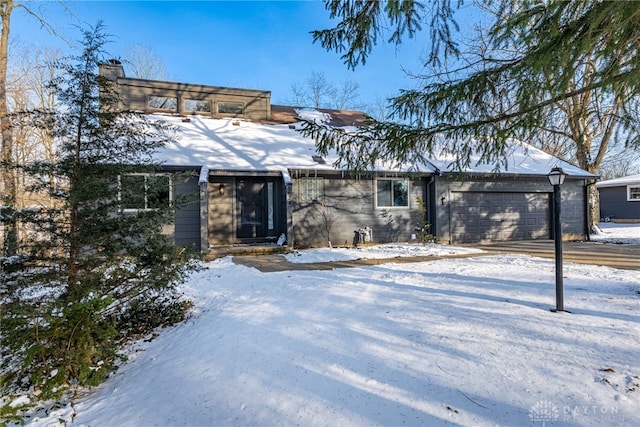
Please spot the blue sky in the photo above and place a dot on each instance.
(249, 44)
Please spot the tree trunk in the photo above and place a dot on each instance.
(594, 208)
(10, 243)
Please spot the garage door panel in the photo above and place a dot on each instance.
(496, 216)
(461, 210)
(510, 214)
(539, 234)
(519, 235)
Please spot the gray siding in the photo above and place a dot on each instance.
(614, 204)
(187, 223)
(221, 215)
(348, 205)
(574, 212)
(450, 189)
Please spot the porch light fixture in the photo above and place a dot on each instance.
(556, 178)
(221, 189)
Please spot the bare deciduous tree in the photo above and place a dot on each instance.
(6, 129)
(329, 216)
(318, 92)
(570, 63)
(144, 63)
(378, 109)
(9, 193)
(347, 94)
(33, 68)
(625, 161)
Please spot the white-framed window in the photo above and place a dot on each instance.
(392, 193)
(230, 108)
(633, 193)
(142, 192)
(197, 106)
(162, 103)
(311, 189)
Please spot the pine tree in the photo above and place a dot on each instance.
(555, 74)
(92, 273)
(532, 55)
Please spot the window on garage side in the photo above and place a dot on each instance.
(312, 189)
(197, 106)
(392, 193)
(142, 192)
(633, 193)
(230, 108)
(162, 103)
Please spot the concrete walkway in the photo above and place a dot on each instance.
(273, 263)
(617, 256)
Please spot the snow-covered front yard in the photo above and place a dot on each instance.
(451, 342)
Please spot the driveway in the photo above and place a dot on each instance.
(606, 254)
(611, 255)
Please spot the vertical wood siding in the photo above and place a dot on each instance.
(349, 205)
(187, 223)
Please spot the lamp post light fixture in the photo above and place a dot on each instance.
(556, 178)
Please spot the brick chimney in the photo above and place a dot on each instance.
(112, 69)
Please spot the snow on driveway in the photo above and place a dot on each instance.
(450, 342)
(390, 250)
(626, 234)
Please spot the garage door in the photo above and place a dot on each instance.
(488, 216)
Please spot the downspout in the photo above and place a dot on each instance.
(288, 185)
(203, 184)
(432, 218)
(433, 203)
(450, 214)
(589, 206)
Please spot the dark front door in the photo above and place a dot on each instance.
(256, 208)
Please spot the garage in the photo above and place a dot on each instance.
(480, 216)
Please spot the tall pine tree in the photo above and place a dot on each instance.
(549, 73)
(534, 53)
(92, 272)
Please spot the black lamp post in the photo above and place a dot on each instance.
(556, 178)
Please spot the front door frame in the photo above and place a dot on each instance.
(258, 210)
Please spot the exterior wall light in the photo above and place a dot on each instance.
(221, 189)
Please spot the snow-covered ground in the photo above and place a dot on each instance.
(391, 250)
(628, 234)
(466, 341)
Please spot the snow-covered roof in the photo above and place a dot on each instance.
(521, 159)
(618, 182)
(231, 144)
(238, 145)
